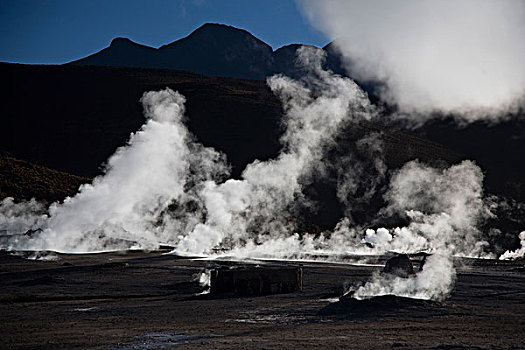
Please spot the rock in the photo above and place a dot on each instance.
(399, 265)
(31, 232)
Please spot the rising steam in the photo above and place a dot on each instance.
(258, 207)
(121, 208)
(518, 253)
(463, 57)
(164, 187)
(435, 282)
(445, 209)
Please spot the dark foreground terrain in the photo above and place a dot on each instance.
(148, 301)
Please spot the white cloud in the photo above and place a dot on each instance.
(463, 57)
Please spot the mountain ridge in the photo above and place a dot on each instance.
(212, 49)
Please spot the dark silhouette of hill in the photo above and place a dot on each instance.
(218, 50)
(24, 180)
(499, 149)
(122, 52)
(212, 49)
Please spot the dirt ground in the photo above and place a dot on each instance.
(138, 300)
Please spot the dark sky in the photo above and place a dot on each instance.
(58, 31)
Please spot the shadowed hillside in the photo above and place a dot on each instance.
(212, 49)
(73, 118)
(24, 180)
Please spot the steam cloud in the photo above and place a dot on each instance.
(463, 57)
(435, 282)
(121, 208)
(518, 253)
(257, 208)
(445, 209)
(164, 187)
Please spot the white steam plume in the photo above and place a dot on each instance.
(444, 209)
(122, 207)
(518, 253)
(257, 208)
(139, 180)
(165, 188)
(449, 56)
(20, 217)
(435, 282)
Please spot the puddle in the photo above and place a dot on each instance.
(271, 319)
(277, 319)
(163, 340)
(86, 309)
(331, 300)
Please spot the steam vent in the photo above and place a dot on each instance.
(256, 280)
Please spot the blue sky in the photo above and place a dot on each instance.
(58, 31)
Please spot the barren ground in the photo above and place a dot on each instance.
(140, 300)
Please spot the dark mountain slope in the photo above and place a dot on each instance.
(218, 50)
(122, 52)
(212, 49)
(24, 180)
(73, 118)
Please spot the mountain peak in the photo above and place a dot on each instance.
(211, 49)
(219, 26)
(216, 25)
(121, 41)
(223, 33)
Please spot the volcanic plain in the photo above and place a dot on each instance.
(153, 300)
